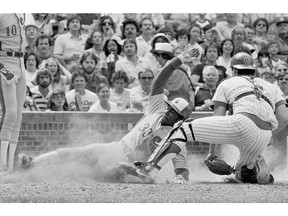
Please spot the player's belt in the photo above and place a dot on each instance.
(11, 54)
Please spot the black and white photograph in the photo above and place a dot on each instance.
(157, 106)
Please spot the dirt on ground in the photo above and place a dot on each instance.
(195, 192)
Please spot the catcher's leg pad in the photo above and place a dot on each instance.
(168, 151)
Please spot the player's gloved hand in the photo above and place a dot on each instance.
(7, 75)
(218, 166)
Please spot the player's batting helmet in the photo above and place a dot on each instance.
(181, 106)
(242, 60)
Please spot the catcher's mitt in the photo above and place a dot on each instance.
(218, 166)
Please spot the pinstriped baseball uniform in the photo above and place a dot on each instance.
(237, 129)
(12, 97)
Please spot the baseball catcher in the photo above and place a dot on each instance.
(256, 107)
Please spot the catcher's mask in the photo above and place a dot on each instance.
(181, 106)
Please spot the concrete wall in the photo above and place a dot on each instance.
(46, 131)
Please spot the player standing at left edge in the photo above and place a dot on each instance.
(12, 85)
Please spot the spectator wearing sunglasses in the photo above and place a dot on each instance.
(261, 27)
(139, 94)
(108, 28)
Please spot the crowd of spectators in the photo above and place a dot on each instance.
(107, 62)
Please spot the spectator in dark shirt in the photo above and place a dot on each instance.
(211, 52)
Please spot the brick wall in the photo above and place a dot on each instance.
(42, 132)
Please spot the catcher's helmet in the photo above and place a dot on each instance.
(242, 60)
(181, 106)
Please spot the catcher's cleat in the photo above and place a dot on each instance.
(137, 172)
(263, 175)
(25, 161)
(178, 179)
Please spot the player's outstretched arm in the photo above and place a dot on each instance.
(164, 75)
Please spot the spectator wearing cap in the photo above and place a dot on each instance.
(179, 84)
(158, 38)
(130, 30)
(31, 33)
(39, 20)
(282, 28)
(70, 46)
(170, 34)
(132, 63)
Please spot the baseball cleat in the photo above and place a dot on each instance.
(134, 171)
(178, 179)
(25, 161)
(144, 176)
(263, 174)
(130, 170)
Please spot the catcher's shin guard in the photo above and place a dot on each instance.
(167, 150)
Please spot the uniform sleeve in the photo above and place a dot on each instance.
(220, 94)
(279, 98)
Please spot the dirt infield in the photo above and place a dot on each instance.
(138, 193)
(71, 183)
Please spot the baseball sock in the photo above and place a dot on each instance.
(3, 154)
(12, 149)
